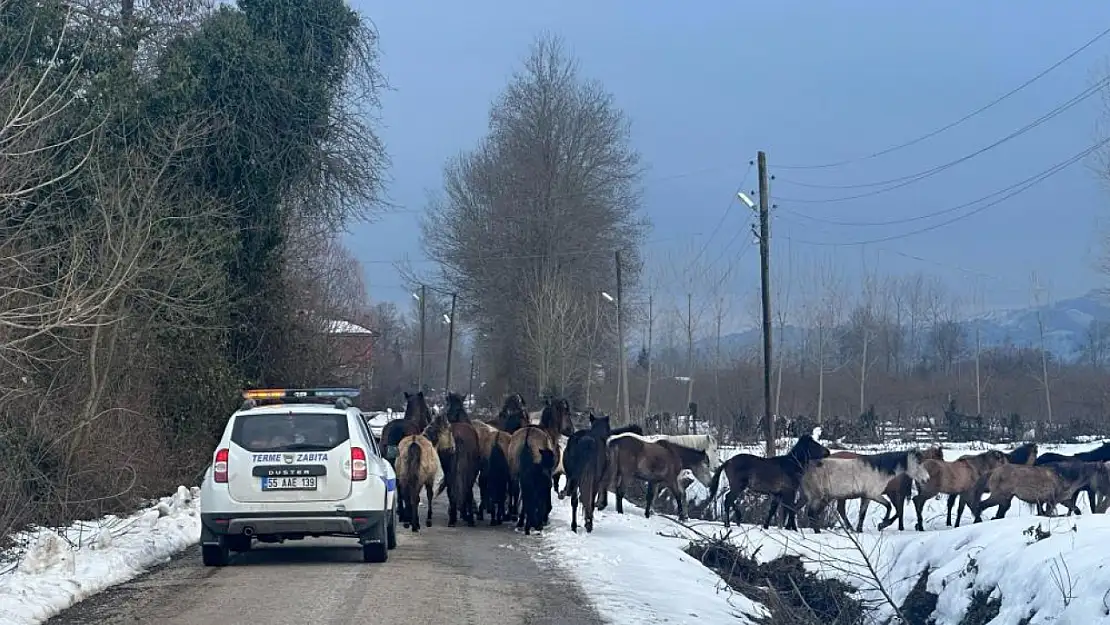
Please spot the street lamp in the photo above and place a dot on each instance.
(746, 200)
(446, 318)
(608, 298)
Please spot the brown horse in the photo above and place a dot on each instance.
(1048, 485)
(417, 417)
(898, 490)
(778, 476)
(632, 456)
(556, 421)
(513, 415)
(954, 478)
(532, 464)
(460, 469)
(417, 466)
(585, 461)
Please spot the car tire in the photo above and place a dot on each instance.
(391, 532)
(377, 552)
(215, 555)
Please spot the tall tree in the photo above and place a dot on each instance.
(537, 209)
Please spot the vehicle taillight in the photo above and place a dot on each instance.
(219, 468)
(358, 464)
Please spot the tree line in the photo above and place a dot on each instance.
(174, 179)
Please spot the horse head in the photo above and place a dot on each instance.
(416, 408)
(556, 416)
(456, 409)
(806, 449)
(600, 425)
(439, 432)
(914, 467)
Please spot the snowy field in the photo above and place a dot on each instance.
(58, 569)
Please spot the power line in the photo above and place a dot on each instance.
(951, 209)
(961, 120)
(1029, 183)
(919, 176)
(724, 216)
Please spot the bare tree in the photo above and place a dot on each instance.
(548, 194)
(823, 312)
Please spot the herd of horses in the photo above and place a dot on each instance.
(517, 465)
(810, 476)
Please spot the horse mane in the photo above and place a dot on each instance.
(631, 435)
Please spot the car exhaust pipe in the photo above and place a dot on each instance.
(248, 531)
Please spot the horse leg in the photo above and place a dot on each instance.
(775, 500)
(483, 494)
(413, 497)
(918, 506)
(1004, 507)
(588, 496)
(416, 511)
(844, 517)
(789, 503)
(863, 504)
(888, 517)
(618, 483)
(573, 488)
(730, 501)
(964, 503)
(814, 508)
(679, 497)
(649, 498)
(951, 502)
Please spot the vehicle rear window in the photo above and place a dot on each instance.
(299, 431)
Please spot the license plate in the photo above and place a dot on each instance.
(289, 483)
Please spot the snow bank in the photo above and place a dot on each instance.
(59, 569)
(1046, 570)
(635, 573)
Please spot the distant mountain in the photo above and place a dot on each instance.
(1066, 324)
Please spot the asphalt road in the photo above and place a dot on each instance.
(441, 575)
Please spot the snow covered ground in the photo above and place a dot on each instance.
(58, 569)
(635, 570)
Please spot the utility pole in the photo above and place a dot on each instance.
(423, 310)
(622, 387)
(765, 286)
(450, 343)
(689, 358)
(590, 354)
(650, 355)
(470, 387)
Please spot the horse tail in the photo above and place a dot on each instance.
(586, 454)
(716, 481)
(547, 459)
(412, 465)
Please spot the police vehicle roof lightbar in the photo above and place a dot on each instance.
(297, 393)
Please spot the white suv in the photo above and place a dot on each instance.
(297, 463)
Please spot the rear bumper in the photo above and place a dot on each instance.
(353, 523)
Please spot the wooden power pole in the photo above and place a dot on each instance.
(765, 286)
(622, 388)
(650, 357)
(450, 343)
(423, 310)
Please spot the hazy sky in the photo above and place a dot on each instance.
(707, 84)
